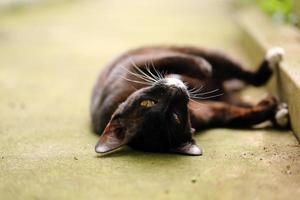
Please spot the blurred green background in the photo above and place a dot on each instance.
(282, 11)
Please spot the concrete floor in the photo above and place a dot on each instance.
(49, 59)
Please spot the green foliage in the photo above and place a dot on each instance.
(281, 10)
(277, 6)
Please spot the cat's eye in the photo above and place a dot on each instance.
(176, 118)
(147, 103)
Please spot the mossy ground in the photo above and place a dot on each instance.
(49, 60)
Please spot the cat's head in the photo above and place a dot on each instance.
(154, 118)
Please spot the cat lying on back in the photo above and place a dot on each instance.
(155, 98)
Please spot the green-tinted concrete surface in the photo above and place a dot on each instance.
(49, 60)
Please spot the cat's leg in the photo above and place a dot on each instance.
(221, 114)
(225, 67)
(271, 60)
(173, 63)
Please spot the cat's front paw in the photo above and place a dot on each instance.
(274, 56)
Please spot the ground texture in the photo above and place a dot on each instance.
(49, 59)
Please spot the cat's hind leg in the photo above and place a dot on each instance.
(271, 60)
(226, 69)
(221, 114)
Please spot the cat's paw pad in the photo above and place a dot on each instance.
(282, 115)
(274, 56)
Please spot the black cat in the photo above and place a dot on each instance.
(153, 99)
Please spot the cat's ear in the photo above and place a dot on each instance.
(112, 137)
(189, 149)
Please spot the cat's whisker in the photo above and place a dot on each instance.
(160, 75)
(138, 75)
(157, 74)
(141, 71)
(194, 91)
(197, 88)
(209, 97)
(146, 79)
(209, 92)
(144, 75)
(152, 64)
(134, 81)
(197, 95)
(138, 70)
(141, 77)
(151, 74)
